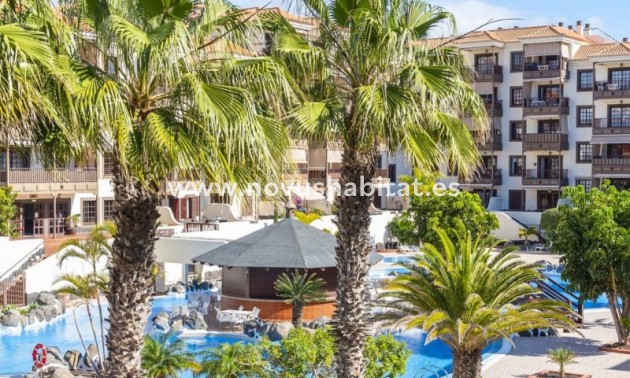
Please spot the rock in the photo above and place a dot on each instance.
(319, 322)
(279, 331)
(164, 315)
(11, 318)
(54, 356)
(50, 312)
(56, 372)
(195, 321)
(161, 324)
(39, 314)
(46, 299)
(24, 321)
(177, 326)
(72, 358)
(32, 318)
(28, 375)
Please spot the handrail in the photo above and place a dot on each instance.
(552, 293)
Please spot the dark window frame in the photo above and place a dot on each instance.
(512, 55)
(578, 110)
(586, 182)
(578, 160)
(510, 131)
(91, 219)
(578, 83)
(510, 173)
(108, 210)
(512, 104)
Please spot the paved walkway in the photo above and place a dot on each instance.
(530, 354)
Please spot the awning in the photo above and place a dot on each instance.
(334, 156)
(484, 88)
(542, 49)
(298, 155)
(307, 193)
(610, 139)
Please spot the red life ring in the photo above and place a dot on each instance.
(39, 355)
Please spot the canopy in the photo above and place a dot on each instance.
(286, 244)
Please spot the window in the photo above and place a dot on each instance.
(584, 116)
(516, 61)
(516, 131)
(3, 161)
(585, 80)
(516, 96)
(620, 77)
(89, 212)
(108, 210)
(484, 63)
(550, 94)
(516, 165)
(618, 151)
(391, 172)
(584, 152)
(586, 182)
(20, 159)
(619, 116)
(549, 126)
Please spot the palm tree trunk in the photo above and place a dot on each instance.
(297, 314)
(131, 282)
(100, 315)
(76, 324)
(353, 246)
(467, 364)
(98, 349)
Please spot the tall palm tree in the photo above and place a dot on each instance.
(167, 357)
(85, 288)
(234, 361)
(159, 96)
(298, 290)
(463, 295)
(371, 80)
(94, 250)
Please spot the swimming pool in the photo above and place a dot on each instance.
(601, 302)
(396, 259)
(16, 344)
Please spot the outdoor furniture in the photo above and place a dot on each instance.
(612, 86)
(200, 226)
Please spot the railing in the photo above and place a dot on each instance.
(494, 108)
(295, 176)
(37, 175)
(552, 69)
(545, 106)
(545, 177)
(612, 89)
(545, 142)
(611, 165)
(12, 292)
(606, 126)
(551, 289)
(486, 177)
(489, 72)
(535, 66)
(49, 226)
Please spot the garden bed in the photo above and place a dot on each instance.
(556, 374)
(615, 348)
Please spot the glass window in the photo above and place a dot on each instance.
(585, 80)
(516, 61)
(20, 159)
(549, 126)
(89, 212)
(621, 77)
(484, 64)
(550, 94)
(586, 182)
(516, 96)
(3, 161)
(516, 165)
(584, 152)
(618, 151)
(619, 116)
(516, 131)
(108, 210)
(585, 116)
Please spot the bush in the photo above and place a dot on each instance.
(549, 219)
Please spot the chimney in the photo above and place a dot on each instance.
(625, 40)
(587, 30)
(500, 28)
(515, 26)
(578, 27)
(570, 27)
(561, 24)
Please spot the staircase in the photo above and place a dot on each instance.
(551, 289)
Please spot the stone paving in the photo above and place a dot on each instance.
(530, 354)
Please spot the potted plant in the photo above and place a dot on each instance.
(73, 222)
(562, 357)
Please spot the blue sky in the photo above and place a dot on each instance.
(609, 15)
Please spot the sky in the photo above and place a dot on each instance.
(611, 16)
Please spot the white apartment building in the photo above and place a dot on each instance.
(555, 96)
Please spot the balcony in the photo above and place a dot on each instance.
(494, 108)
(545, 177)
(613, 126)
(549, 70)
(488, 72)
(485, 178)
(40, 175)
(545, 142)
(545, 106)
(491, 145)
(611, 165)
(611, 90)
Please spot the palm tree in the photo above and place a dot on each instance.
(85, 288)
(306, 218)
(526, 233)
(167, 357)
(94, 250)
(298, 290)
(168, 102)
(234, 361)
(370, 80)
(463, 295)
(562, 357)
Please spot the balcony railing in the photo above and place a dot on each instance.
(611, 89)
(491, 145)
(550, 70)
(489, 72)
(545, 142)
(611, 165)
(40, 175)
(494, 108)
(546, 177)
(486, 177)
(612, 126)
(545, 106)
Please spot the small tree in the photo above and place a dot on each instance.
(167, 357)
(526, 233)
(307, 218)
(562, 357)
(8, 210)
(234, 361)
(298, 290)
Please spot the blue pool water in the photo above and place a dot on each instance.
(396, 259)
(601, 302)
(16, 344)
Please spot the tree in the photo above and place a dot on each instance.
(94, 250)
(549, 220)
(454, 212)
(168, 102)
(234, 361)
(593, 240)
(8, 210)
(526, 233)
(167, 357)
(369, 80)
(298, 290)
(386, 357)
(562, 357)
(458, 292)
